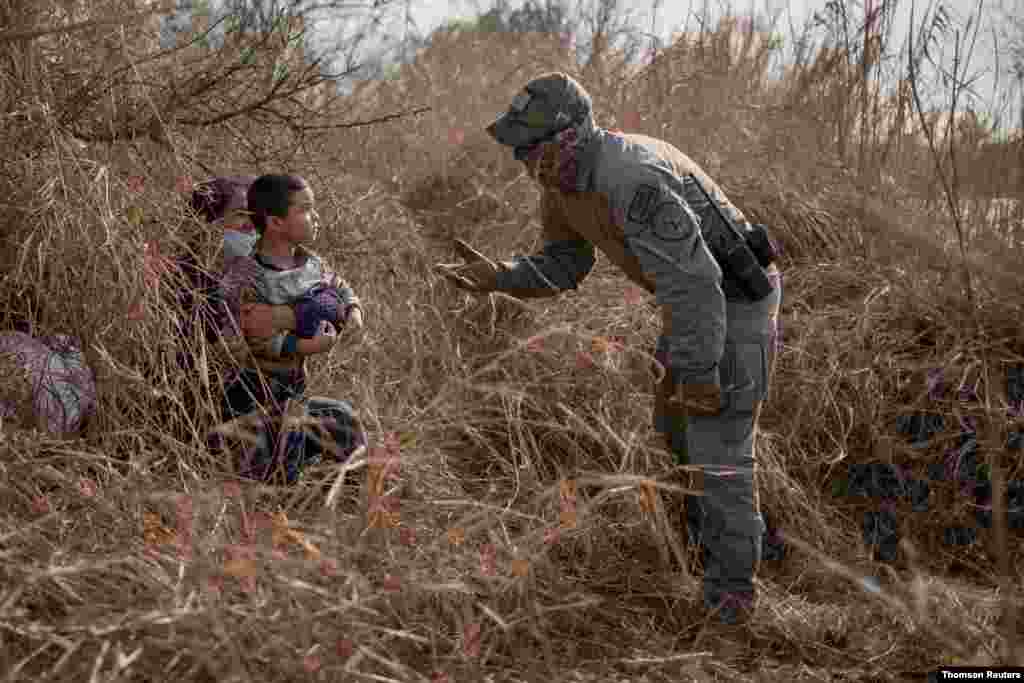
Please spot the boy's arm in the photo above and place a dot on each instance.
(347, 299)
(336, 304)
(263, 320)
(321, 343)
(345, 312)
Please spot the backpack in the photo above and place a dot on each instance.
(50, 378)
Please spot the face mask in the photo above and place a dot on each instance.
(239, 243)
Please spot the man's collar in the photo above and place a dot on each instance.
(586, 160)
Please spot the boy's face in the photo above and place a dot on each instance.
(302, 222)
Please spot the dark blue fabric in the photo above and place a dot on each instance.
(560, 265)
(337, 431)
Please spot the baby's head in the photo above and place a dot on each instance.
(281, 207)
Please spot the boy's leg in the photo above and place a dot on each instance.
(339, 423)
(292, 452)
(337, 434)
(240, 396)
(260, 398)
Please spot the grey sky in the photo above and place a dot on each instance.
(996, 97)
(677, 15)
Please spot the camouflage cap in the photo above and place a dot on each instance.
(546, 106)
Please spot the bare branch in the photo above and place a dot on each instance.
(950, 185)
(381, 119)
(32, 34)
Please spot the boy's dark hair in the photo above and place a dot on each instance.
(271, 195)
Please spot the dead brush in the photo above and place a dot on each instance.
(483, 575)
(892, 355)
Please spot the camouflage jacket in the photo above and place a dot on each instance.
(634, 201)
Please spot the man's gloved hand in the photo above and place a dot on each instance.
(479, 274)
(703, 400)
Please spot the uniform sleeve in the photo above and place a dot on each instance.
(664, 234)
(563, 263)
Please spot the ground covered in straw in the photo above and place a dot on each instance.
(532, 527)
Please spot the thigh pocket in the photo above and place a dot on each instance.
(744, 375)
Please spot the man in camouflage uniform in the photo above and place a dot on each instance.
(631, 197)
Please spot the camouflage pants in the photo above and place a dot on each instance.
(726, 520)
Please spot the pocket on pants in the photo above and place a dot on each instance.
(744, 376)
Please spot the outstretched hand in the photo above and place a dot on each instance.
(478, 274)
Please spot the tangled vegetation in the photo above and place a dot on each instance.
(534, 529)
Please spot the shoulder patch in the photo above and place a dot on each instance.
(642, 205)
(671, 222)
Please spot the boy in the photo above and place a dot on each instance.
(223, 201)
(281, 271)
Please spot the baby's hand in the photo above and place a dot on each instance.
(353, 331)
(355, 318)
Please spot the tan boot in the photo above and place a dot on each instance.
(728, 626)
(735, 609)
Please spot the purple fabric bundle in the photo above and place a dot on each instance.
(63, 389)
(316, 307)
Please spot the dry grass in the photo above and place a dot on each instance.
(494, 402)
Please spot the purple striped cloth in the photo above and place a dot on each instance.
(62, 387)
